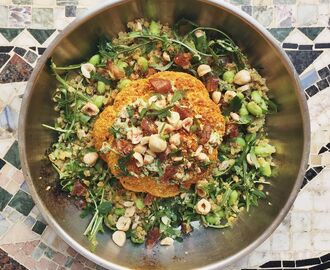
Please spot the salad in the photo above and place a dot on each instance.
(161, 131)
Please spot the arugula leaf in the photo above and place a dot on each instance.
(86, 211)
(235, 104)
(143, 112)
(122, 164)
(179, 94)
(69, 67)
(98, 77)
(114, 132)
(106, 48)
(104, 208)
(162, 68)
(259, 193)
(162, 113)
(130, 111)
(272, 106)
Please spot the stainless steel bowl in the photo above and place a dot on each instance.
(289, 130)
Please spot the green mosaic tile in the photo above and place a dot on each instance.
(49, 253)
(22, 2)
(5, 197)
(240, 2)
(280, 33)
(41, 35)
(38, 251)
(68, 262)
(10, 33)
(66, 2)
(42, 18)
(12, 156)
(39, 228)
(22, 202)
(311, 32)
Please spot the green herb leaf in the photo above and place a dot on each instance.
(98, 77)
(122, 164)
(260, 194)
(86, 211)
(162, 113)
(272, 106)
(235, 104)
(143, 112)
(161, 67)
(179, 94)
(115, 132)
(69, 67)
(130, 111)
(104, 208)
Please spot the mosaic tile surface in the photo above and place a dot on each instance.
(302, 241)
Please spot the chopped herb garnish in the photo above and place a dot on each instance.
(130, 111)
(115, 132)
(177, 95)
(122, 164)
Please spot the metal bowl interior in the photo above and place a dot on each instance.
(288, 129)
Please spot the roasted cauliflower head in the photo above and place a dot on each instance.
(161, 134)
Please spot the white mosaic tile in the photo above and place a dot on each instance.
(280, 241)
(323, 14)
(60, 21)
(44, 3)
(19, 232)
(321, 241)
(297, 36)
(24, 39)
(323, 37)
(301, 241)
(301, 221)
(307, 14)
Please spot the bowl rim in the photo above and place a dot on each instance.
(218, 4)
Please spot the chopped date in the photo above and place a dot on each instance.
(115, 72)
(150, 71)
(148, 199)
(212, 83)
(124, 146)
(81, 204)
(78, 189)
(183, 60)
(161, 86)
(205, 134)
(148, 127)
(186, 228)
(183, 112)
(169, 172)
(152, 237)
(162, 156)
(231, 130)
